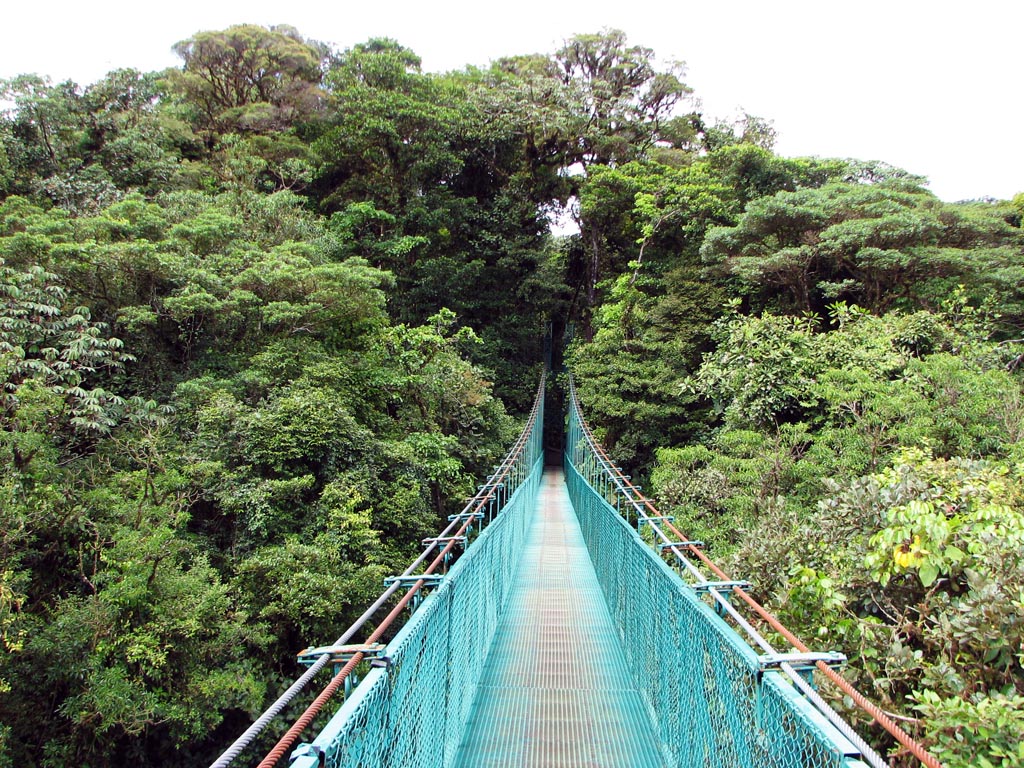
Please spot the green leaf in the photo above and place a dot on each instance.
(928, 573)
(955, 554)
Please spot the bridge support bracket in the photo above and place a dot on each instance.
(803, 664)
(466, 516)
(308, 750)
(461, 540)
(724, 586)
(800, 660)
(340, 654)
(428, 579)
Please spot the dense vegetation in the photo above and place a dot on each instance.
(266, 316)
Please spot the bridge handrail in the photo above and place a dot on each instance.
(680, 546)
(501, 483)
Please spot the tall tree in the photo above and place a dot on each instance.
(625, 99)
(250, 78)
(626, 102)
(391, 131)
(885, 245)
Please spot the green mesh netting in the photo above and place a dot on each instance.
(711, 702)
(412, 713)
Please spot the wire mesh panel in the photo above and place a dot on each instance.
(699, 695)
(411, 711)
(711, 700)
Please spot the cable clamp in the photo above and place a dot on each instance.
(445, 539)
(340, 654)
(428, 579)
(466, 516)
(800, 660)
(706, 586)
(697, 544)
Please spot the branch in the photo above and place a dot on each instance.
(661, 220)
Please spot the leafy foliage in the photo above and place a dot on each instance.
(249, 78)
(882, 246)
(263, 317)
(873, 463)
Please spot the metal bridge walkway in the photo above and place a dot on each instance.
(555, 690)
(514, 658)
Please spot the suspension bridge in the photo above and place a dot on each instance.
(560, 620)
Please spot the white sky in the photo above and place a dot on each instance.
(933, 86)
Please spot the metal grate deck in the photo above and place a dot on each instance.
(555, 691)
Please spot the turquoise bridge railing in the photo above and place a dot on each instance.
(715, 699)
(717, 693)
(411, 708)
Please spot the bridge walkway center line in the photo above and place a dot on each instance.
(555, 691)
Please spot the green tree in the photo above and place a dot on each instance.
(44, 345)
(881, 245)
(623, 97)
(249, 78)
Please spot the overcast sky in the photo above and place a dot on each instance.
(933, 86)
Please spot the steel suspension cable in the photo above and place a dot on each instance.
(274, 709)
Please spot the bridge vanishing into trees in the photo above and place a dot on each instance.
(579, 627)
